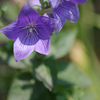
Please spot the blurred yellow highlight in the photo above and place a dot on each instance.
(86, 63)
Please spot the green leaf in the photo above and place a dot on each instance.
(62, 42)
(97, 20)
(72, 93)
(46, 72)
(10, 11)
(24, 87)
(21, 88)
(3, 38)
(68, 74)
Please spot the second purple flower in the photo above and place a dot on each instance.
(65, 9)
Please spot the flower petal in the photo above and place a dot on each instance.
(42, 46)
(27, 14)
(49, 23)
(9, 30)
(68, 10)
(61, 21)
(79, 1)
(54, 3)
(73, 11)
(42, 32)
(24, 46)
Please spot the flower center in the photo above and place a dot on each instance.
(61, 1)
(30, 29)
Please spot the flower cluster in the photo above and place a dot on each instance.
(31, 31)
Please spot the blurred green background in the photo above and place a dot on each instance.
(71, 71)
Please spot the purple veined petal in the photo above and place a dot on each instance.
(27, 14)
(42, 31)
(54, 3)
(72, 10)
(24, 45)
(68, 10)
(9, 30)
(78, 1)
(49, 23)
(33, 2)
(61, 21)
(42, 46)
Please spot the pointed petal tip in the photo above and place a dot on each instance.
(17, 60)
(27, 14)
(8, 30)
(25, 3)
(73, 21)
(46, 53)
(43, 46)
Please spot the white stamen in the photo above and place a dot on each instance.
(30, 30)
(36, 31)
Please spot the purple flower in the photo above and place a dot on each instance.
(30, 32)
(65, 9)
